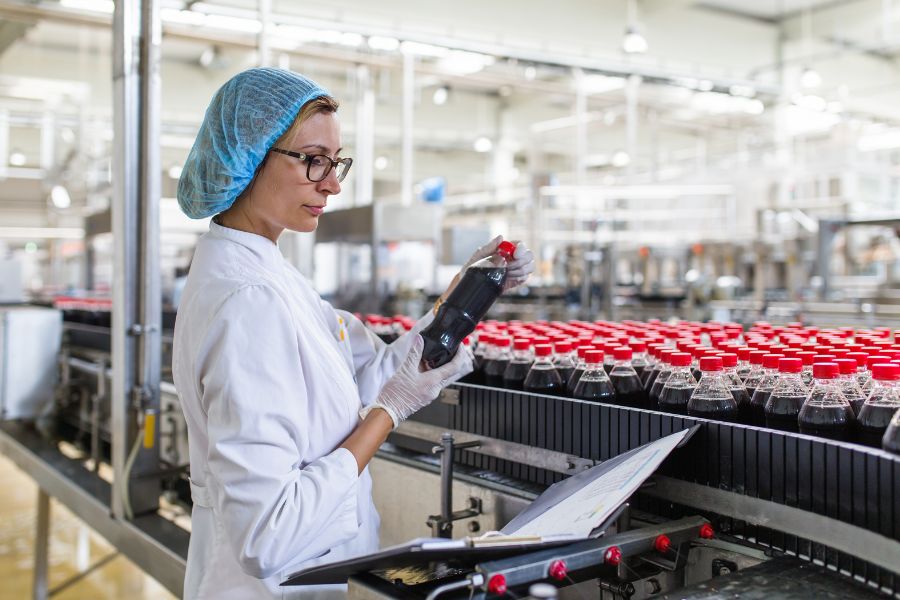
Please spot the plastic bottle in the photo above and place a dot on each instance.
(580, 367)
(609, 360)
(757, 371)
(495, 362)
(891, 439)
(712, 398)
(738, 391)
(543, 377)
(808, 358)
(680, 385)
(639, 360)
(519, 365)
(873, 359)
(848, 384)
(826, 412)
(879, 408)
(594, 383)
(625, 380)
(764, 388)
(485, 341)
(788, 396)
(665, 370)
(468, 303)
(744, 366)
(563, 360)
(655, 352)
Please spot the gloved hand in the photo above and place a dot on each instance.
(411, 389)
(518, 270)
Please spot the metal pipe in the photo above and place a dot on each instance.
(40, 587)
(406, 143)
(447, 480)
(126, 169)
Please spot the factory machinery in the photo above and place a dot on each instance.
(737, 507)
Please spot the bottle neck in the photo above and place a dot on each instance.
(542, 362)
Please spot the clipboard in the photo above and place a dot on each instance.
(514, 539)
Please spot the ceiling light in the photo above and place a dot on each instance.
(175, 171)
(483, 144)
(30, 247)
(599, 84)
(440, 95)
(17, 159)
(207, 57)
(705, 85)
(621, 159)
(423, 49)
(460, 62)
(810, 78)
(105, 6)
(744, 91)
(59, 195)
(379, 42)
(381, 163)
(530, 72)
(634, 42)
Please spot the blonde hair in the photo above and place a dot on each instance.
(322, 104)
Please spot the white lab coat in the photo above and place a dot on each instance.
(271, 379)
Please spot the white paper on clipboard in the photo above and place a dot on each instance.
(577, 511)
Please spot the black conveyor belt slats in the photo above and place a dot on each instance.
(846, 482)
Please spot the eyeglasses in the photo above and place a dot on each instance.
(318, 166)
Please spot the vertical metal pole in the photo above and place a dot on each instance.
(581, 105)
(365, 136)
(4, 144)
(265, 18)
(145, 492)
(137, 304)
(632, 88)
(406, 153)
(447, 484)
(126, 163)
(41, 547)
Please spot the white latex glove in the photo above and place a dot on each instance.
(411, 389)
(518, 269)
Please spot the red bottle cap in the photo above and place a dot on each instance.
(757, 356)
(506, 249)
(613, 556)
(826, 370)
(501, 341)
(638, 346)
(847, 366)
(822, 358)
(497, 585)
(593, 356)
(562, 347)
(558, 570)
(583, 350)
(622, 353)
(710, 364)
(808, 358)
(543, 350)
(729, 360)
(859, 357)
(874, 359)
(743, 353)
(521, 344)
(886, 372)
(681, 359)
(790, 365)
(770, 361)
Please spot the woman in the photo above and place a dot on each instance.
(286, 399)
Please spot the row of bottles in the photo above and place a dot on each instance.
(788, 381)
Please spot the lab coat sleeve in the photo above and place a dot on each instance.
(374, 361)
(276, 509)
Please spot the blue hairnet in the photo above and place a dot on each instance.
(252, 110)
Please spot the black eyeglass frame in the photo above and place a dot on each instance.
(307, 158)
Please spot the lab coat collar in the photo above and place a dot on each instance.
(262, 247)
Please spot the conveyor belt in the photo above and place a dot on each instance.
(854, 488)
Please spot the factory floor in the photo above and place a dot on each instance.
(83, 566)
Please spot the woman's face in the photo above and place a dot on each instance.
(283, 197)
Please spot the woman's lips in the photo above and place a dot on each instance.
(315, 210)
